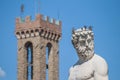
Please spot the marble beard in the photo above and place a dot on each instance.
(90, 66)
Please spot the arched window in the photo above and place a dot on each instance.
(29, 49)
(48, 50)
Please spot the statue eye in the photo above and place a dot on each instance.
(89, 40)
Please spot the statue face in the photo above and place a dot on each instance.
(82, 40)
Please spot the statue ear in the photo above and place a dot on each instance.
(73, 31)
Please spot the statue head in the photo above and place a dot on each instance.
(83, 42)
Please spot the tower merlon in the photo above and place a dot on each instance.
(42, 25)
(39, 17)
(40, 21)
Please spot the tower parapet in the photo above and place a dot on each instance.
(41, 26)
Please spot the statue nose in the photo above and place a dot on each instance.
(86, 46)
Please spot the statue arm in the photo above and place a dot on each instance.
(101, 70)
(98, 76)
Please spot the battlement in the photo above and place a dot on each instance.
(39, 20)
(38, 17)
(41, 23)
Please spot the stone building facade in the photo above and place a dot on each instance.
(38, 49)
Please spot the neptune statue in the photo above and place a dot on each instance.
(90, 66)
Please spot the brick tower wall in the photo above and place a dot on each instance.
(39, 32)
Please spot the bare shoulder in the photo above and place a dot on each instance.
(71, 68)
(100, 65)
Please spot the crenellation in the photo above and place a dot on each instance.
(48, 19)
(54, 21)
(28, 19)
(38, 17)
(51, 21)
(18, 20)
(39, 23)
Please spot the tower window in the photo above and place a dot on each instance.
(29, 61)
(48, 50)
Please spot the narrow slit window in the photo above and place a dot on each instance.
(47, 56)
(29, 61)
(48, 50)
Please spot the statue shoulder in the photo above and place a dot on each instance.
(100, 65)
(71, 70)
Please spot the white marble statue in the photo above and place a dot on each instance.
(90, 66)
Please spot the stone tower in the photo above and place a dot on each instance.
(38, 51)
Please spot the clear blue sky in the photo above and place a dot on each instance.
(103, 15)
